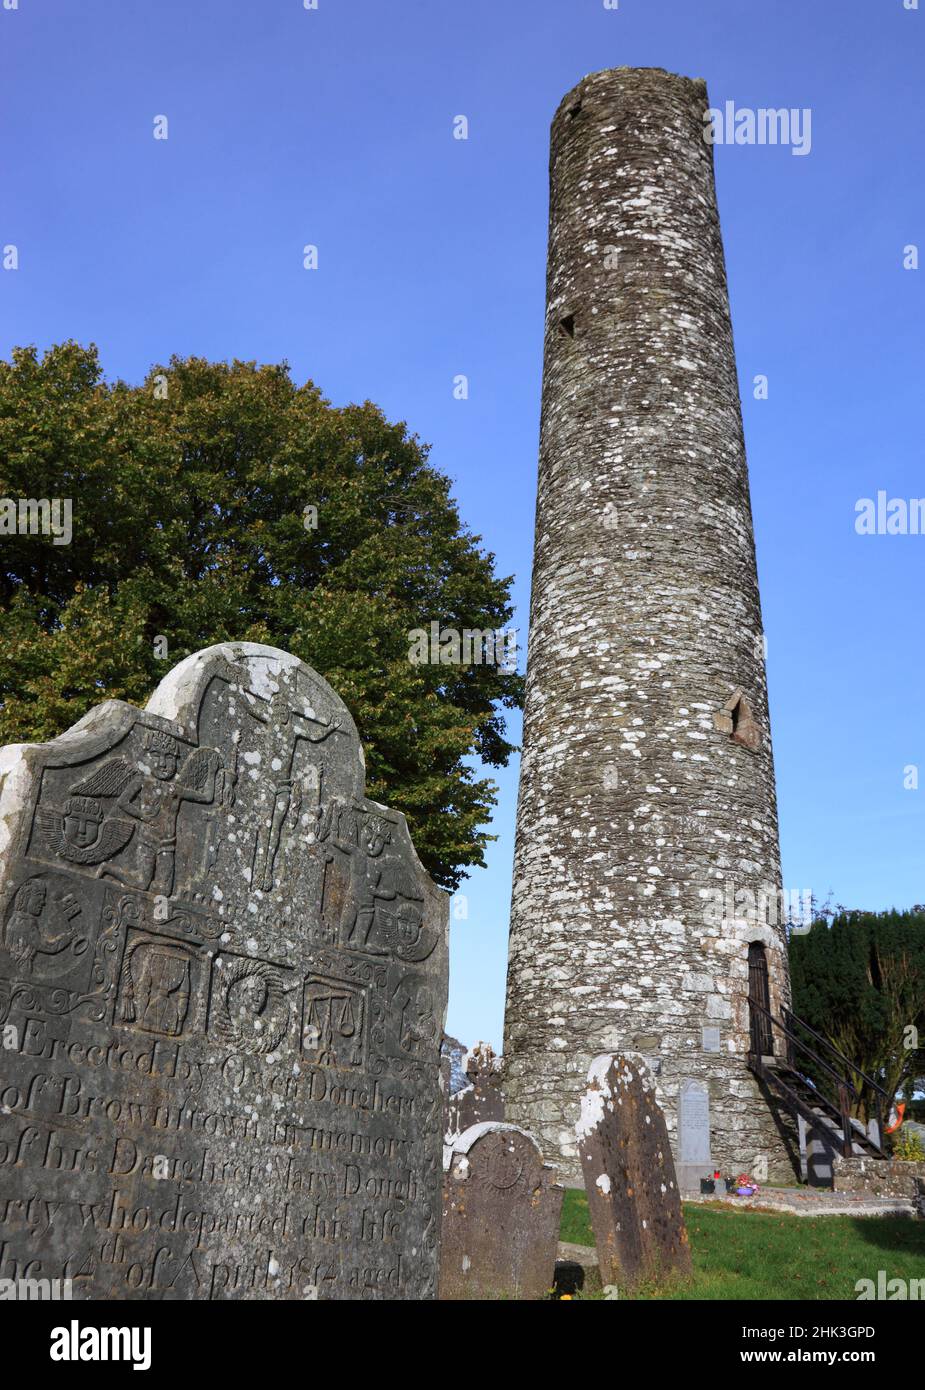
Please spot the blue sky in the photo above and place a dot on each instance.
(334, 126)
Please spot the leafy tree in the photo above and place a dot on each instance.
(860, 982)
(189, 523)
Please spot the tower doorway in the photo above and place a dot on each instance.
(762, 1038)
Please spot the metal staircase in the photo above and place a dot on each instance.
(827, 1109)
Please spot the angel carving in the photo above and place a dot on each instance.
(81, 834)
(149, 795)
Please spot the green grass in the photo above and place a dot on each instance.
(575, 1224)
(739, 1253)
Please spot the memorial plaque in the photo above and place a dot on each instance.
(694, 1160)
(633, 1197)
(501, 1212)
(223, 978)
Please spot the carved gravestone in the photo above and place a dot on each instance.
(479, 1099)
(629, 1173)
(501, 1212)
(223, 978)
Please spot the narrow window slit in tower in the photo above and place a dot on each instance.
(737, 720)
(575, 110)
(567, 325)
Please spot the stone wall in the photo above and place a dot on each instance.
(647, 779)
(879, 1177)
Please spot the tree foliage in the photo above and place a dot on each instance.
(189, 523)
(860, 982)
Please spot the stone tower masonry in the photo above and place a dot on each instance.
(647, 811)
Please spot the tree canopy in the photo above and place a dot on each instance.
(192, 500)
(860, 982)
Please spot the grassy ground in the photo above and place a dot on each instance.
(745, 1254)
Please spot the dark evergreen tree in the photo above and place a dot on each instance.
(859, 980)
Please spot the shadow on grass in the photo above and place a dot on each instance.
(892, 1233)
(742, 1254)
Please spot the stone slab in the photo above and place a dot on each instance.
(633, 1198)
(694, 1155)
(501, 1212)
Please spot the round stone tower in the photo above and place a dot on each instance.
(647, 867)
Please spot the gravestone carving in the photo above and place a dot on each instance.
(501, 1213)
(629, 1173)
(479, 1098)
(223, 976)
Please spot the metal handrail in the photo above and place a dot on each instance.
(803, 1047)
(843, 1085)
(875, 1085)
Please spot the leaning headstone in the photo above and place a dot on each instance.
(223, 977)
(501, 1212)
(694, 1158)
(480, 1098)
(629, 1173)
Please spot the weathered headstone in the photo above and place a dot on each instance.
(223, 978)
(480, 1098)
(501, 1212)
(694, 1158)
(629, 1173)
